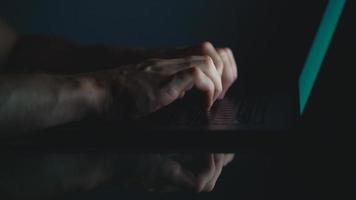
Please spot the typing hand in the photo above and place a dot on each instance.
(223, 59)
(155, 83)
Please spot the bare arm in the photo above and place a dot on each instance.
(30, 101)
(36, 101)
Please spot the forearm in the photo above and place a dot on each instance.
(36, 101)
(52, 54)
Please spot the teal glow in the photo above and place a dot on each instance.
(318, 50)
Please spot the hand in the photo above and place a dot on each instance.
(223, 59)
(155, 83)
(167, 173)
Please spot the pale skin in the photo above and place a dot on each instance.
(44, 85)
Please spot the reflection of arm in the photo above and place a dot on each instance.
(8, 39)
(39, 176)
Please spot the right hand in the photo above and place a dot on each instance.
(156, 83)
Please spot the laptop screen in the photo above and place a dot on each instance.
(318, 50)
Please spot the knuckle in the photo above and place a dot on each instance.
(228, 50)
(208, 60)
(191, 58)
(225, 54)
(207, 45)
(221, 50)
(197, 73)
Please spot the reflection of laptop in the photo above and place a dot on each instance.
(244, 110)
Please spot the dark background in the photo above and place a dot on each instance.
(270, 40)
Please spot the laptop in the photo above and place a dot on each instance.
(246, 110)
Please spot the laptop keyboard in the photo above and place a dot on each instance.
(251, 110)
(248, 110)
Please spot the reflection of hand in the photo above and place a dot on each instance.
(177, 172)
(155, 83)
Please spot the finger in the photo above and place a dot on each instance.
(219, 163)
(209, 49)
(228, 158)
(227, 59)
(219, 50)
(204, 83)
(186, 80)
(206, 174)
(210, 71)
(233, 61)
(227, 64)
(173, 66)
(227, 76)
(170, 67)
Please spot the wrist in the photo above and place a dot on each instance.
(106, 94)
(96, 95)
